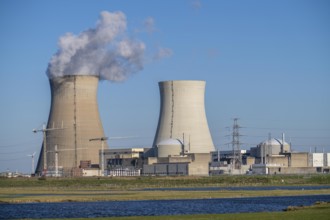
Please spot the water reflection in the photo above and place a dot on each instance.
(152, 208)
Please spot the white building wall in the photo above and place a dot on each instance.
(317, 159)
(91, 172)
(168, 150)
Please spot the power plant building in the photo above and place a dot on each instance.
(268, 148)
(73, 120)
(182, 117)
(183, 142)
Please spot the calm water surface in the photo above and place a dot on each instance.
(153, 208)
(235, 188)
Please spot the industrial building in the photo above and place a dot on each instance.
(182, 135)
(222, 162)
(295, 163)
(74, 143)
(124, 162)
(189, 164)
(73, 120)
(272, 156)
(268, 150)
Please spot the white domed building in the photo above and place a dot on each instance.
(169, 147)
(273, 146)
(268, 150)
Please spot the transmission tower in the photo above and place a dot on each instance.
(237, 157)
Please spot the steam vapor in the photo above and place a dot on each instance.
(104, 51)
(162, 53)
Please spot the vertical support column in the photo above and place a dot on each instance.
(172, 115)
(75, 121)
(56, 161)
(102, 158)
(45, 149)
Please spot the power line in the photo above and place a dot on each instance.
(17, 152)
(288, 129)
(20, 143)
(17, 158)
(309, 137)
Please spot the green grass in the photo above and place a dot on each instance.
(22, 195)
(18, 190)
(160, 182)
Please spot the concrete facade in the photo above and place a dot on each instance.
(182, 116)
(274, 169)
(73, 120)
(278, 160)
(189, 164)
(293, 170)
(327, 159)
(299, 159)
(250, 160)
(199, 165)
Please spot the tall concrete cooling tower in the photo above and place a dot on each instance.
(182, 117)
(73, 120)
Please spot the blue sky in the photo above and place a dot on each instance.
(265, 62)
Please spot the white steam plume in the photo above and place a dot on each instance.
(162, 53)
(104, 51)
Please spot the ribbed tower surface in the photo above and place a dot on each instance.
(74, 118)
(182, 115)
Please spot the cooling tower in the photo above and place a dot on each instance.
(73, 120)
(182, 116)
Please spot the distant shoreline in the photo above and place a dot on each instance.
(31, 190)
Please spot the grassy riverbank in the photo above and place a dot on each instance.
(22, 195)
(21, 190)
(161, 182)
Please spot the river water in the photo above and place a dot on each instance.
(154, 208)
(238, 188)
